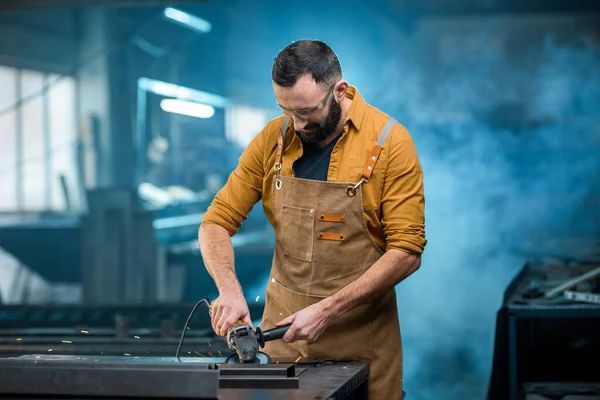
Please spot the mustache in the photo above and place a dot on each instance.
(311, 127)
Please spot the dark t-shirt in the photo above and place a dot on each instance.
(314, 162)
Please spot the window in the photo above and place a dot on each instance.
(38, 130)
(243, 123)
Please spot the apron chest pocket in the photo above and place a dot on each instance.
(298, 227)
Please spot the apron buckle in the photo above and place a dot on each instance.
(351, 191)
(278, 182)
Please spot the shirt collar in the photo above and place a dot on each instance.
(357, 108)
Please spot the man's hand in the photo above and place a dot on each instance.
(307, 324)
(227, 309)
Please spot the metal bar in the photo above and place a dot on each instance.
(573, 282)
(512, 357)
(286, 370)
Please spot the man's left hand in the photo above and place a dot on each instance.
(307, 324)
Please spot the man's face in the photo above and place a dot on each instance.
(315, 112)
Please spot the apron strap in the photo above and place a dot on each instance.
(377, 150)
(280, 143)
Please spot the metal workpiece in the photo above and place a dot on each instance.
(100, 378)
(285, 370)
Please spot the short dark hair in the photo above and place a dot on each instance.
(306, 57)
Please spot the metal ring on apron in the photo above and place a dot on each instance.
(351, 191)
(278, 182)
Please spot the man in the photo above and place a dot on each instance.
(342, 185)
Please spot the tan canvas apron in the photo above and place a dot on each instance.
(322, 245)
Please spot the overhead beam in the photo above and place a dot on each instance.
(26, 5)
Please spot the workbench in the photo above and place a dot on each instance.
(62, 376)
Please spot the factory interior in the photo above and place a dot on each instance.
(121, 120)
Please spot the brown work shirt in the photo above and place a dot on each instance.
(393, 198)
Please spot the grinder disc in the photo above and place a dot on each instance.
(261, 358)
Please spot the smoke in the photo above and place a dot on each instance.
(510, 173)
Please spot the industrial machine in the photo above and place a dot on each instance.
(547, 332)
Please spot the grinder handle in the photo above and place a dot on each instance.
(271, 334)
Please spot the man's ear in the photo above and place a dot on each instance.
(340, 90)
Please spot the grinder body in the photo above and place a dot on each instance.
(242, 340)
(245, 342)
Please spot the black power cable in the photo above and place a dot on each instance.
(205, 300)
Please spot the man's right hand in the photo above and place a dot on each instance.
(227, 309)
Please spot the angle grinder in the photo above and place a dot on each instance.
(246, 342)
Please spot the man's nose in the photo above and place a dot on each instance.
(299, 123)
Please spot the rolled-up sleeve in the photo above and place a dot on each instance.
(242, 191)
(403, 199)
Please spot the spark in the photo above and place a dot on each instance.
(297, 359)
(211, 354)
(189, 352)
(201, 355)
(188, 327)
(126, 354)
(66, 341)
(85, 332)
(220, 353)
(137, 337)
(49, 349)
(19, 339)
(257, 297)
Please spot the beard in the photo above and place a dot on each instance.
(315, 132)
